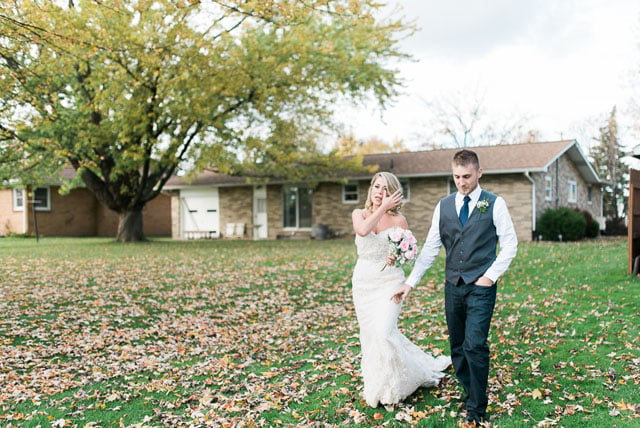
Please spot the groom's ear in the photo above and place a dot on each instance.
(479, 172)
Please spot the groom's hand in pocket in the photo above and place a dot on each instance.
(484, 281)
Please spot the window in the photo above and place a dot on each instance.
(405, 191)
(573, 192)
(18, 199)
(548, 188)
(41, 199)
(590, 194)
(296, 207)
(350, 193)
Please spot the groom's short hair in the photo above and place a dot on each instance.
(466, 157)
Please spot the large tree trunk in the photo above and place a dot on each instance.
(130, 227)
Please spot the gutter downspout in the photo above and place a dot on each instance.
(25, 210)
(533, 204)
(25, 220)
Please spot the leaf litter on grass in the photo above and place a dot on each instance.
(219, 334)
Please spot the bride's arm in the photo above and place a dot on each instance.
(364, 226)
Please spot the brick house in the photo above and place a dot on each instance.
(77, 213)
(531, 177)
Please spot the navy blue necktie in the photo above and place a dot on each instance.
(464, 211)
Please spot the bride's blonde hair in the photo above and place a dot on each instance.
(392, 184)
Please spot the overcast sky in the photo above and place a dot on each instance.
(563, 64)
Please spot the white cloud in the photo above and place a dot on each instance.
(560, 63)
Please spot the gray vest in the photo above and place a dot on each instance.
(470, 249)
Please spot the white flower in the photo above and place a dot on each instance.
(483, 205)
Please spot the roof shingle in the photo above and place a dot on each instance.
(500, 159)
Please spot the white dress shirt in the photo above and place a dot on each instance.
(504, 229)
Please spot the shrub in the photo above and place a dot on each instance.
(592, 229)
(616, 227)
(562, 224)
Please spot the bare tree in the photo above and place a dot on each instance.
(461, 119)
(348, 145)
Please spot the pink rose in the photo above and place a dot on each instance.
(395, 235)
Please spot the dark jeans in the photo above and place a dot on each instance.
(469, 308)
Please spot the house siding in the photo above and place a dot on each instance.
(429, 180)
(515, 189)
(329, 209)
(70, 215)
(274, 211)
(156, 217)
(236, 206)
(78, 213)
(174, 196)
(10, 221)
(424, 194)
(561, 172)
(236, 203)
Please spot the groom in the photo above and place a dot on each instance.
(469, 223)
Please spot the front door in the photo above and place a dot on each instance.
(260, 230)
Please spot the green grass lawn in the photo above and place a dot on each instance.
(239, 333)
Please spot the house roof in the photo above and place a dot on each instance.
(205, 178)
(500, 159)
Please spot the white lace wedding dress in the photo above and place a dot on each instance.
(392, 367)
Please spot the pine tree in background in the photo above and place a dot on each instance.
(607, 160)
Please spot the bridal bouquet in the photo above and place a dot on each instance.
(403, 245)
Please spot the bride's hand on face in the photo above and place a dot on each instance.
(391, 201)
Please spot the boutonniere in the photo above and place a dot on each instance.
(483, 205)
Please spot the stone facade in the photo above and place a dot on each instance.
(523, 192)
(174, 195)
(515, 189)
(424, 194)
(518, 174)
(329, 209)
(236, 206)
(560, 173)
(274, 212)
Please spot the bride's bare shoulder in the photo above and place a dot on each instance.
(400, 221)
(359, 212)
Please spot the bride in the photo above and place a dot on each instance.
(392, 366)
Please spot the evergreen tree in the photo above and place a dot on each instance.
(607, 159)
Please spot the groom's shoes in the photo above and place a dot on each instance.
(473, 420)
